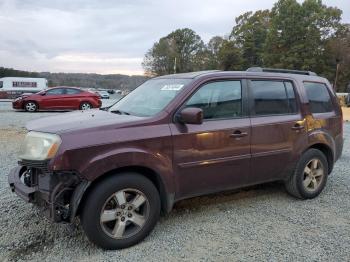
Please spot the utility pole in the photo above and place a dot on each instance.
(175, 66)
(336, 76)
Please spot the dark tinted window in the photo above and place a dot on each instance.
(221, 99)
(273, 97)
(319, 98)
(291, 97)
(56, 91)
(70, 91)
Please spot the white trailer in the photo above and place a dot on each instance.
(12, 87)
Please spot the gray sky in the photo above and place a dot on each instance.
(109, 36)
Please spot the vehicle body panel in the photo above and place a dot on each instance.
(209, 157)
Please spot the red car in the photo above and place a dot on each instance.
(58, 98)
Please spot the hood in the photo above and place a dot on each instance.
(79, 120)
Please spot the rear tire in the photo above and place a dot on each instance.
(310, 175)
(120, 211)
(30, 106)
(85, 106)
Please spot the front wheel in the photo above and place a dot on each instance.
(310, 175)
(121, 211)
(30, 106)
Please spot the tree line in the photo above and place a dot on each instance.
(292, 35)
(9, 72)
(112, 81)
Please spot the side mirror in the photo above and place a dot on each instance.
(191, 115)
(43, 93)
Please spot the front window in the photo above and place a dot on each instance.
(218, 100)
(150, 98)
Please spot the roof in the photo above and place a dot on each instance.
(218, 73)
(74, 87)
(189, 75)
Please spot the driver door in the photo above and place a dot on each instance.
(53, 99)
(215, 155)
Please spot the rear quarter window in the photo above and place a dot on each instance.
(319, 97)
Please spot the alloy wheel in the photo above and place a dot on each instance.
(85, 106)
(124, 213)
(30, 106)
(313, 175)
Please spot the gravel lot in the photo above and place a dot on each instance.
(256, 224)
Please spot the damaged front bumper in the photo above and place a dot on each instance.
(58, 193)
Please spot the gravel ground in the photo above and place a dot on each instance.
(256, 224)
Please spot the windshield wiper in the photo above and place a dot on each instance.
(119, 112)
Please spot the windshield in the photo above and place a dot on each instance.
(149, 98)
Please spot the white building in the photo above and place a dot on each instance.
(12, 87)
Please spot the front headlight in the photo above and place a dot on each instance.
(39, 146)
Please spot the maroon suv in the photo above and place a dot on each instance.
(176, 137)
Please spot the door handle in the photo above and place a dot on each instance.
(299, 125)
(238, 134)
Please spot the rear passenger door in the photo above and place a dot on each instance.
(71, 98)
(277, 128)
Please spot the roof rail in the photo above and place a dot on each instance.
(276, 70)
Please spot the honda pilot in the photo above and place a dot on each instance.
(176, 137)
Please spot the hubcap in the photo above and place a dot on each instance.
(31, 107)
(85, 106)
(124, 213)
(313, 175)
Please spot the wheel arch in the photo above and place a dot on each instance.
(33, 101)
(328, 152)
(84, 101)
(81, 193)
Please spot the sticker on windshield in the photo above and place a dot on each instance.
(172, 87)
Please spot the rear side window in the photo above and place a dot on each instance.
(71, 91)
(273, 97)
(319, 98)
(56, 91)
(222, 99)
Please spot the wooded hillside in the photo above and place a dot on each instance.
(115, 81)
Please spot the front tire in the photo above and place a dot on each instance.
(30, 106)
(120, 211)
(310, 175)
